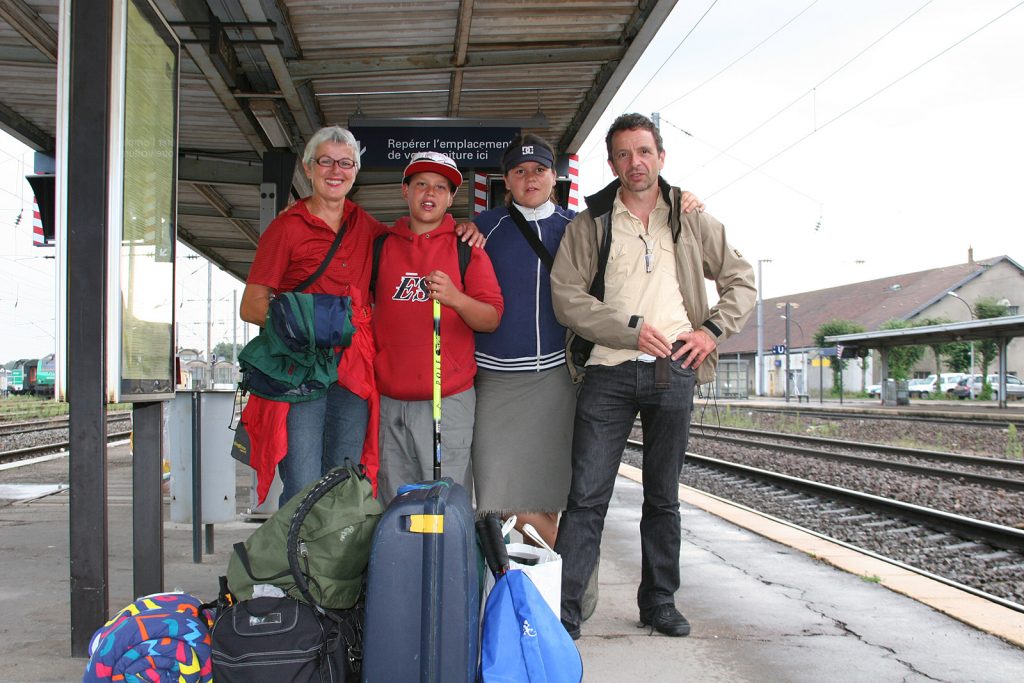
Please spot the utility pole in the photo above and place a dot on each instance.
(234, 327)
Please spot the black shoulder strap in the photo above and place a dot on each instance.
(605, 250)
(531, 237)
(378, 245)
(465, 256)
(327, 259)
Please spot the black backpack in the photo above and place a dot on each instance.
(465, 255)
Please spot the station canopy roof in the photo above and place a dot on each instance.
(970, 330)
(263, 74)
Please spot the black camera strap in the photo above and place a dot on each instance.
(531, 237)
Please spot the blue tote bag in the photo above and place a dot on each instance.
(523, 641)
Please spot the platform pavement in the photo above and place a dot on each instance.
(760, 611)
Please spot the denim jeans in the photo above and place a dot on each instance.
(321, 435)
(609, 400)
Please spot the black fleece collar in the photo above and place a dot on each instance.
(601, 202)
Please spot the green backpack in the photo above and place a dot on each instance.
(317, 547)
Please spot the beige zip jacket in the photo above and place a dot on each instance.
(702, 252)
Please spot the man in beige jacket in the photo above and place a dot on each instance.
(629, 277)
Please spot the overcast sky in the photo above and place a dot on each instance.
(907, 155)
(906, 181)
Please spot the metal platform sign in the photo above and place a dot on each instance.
(469, 147)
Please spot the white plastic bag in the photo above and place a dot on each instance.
(543, 565)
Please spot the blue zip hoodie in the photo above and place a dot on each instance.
(529, 338)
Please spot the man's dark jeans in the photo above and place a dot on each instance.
(609, 400)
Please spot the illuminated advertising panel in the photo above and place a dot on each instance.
(142, 208)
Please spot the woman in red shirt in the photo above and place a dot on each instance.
(323, 433)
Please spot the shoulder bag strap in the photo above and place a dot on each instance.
(243, 556)
(327, 259)
(378, 247)
(322, 487)
(531, 237)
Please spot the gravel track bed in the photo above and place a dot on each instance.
(973, 564)
(11, 442)
(998, 506)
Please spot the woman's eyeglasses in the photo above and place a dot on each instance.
(327, 162)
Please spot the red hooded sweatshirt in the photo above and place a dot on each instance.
(403, 326)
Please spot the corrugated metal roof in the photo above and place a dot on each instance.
(320, 63)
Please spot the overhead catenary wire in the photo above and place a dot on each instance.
(865, 100)
(812, 90)
(682, 40)
(744, 163)
(735, 61)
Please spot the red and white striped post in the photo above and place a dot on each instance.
(479, 193)
(38, 239)
(574, 182)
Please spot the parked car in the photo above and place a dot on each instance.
(932, 386)
(873, 390)
(1014, 387)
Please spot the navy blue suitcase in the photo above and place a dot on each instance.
(423, 589)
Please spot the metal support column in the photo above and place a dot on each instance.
(88, 74)
(147, 498)
(197, 478)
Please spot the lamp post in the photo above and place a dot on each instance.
(787, 306)
(803, 343)
(759, 389)
(970, 312)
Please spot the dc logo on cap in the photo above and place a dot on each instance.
(527, 149)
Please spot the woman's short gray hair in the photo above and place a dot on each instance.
(330, 134)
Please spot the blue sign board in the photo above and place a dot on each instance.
(469, 147)
(779, 348)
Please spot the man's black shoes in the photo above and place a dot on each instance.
(666, 619)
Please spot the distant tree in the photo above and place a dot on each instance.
(939, 350)
(902, 358)
(832, 328)
(223, 351)
(984, 309)
(958, 357)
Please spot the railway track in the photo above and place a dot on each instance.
(988, 471)
(980, 556)
(19, 454)
(50, 423)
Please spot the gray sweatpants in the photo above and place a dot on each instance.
(407, 442)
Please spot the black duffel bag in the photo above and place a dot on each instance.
(283, 639)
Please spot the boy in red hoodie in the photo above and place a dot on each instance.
(419, 263)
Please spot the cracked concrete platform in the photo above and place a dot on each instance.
(762, 611)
